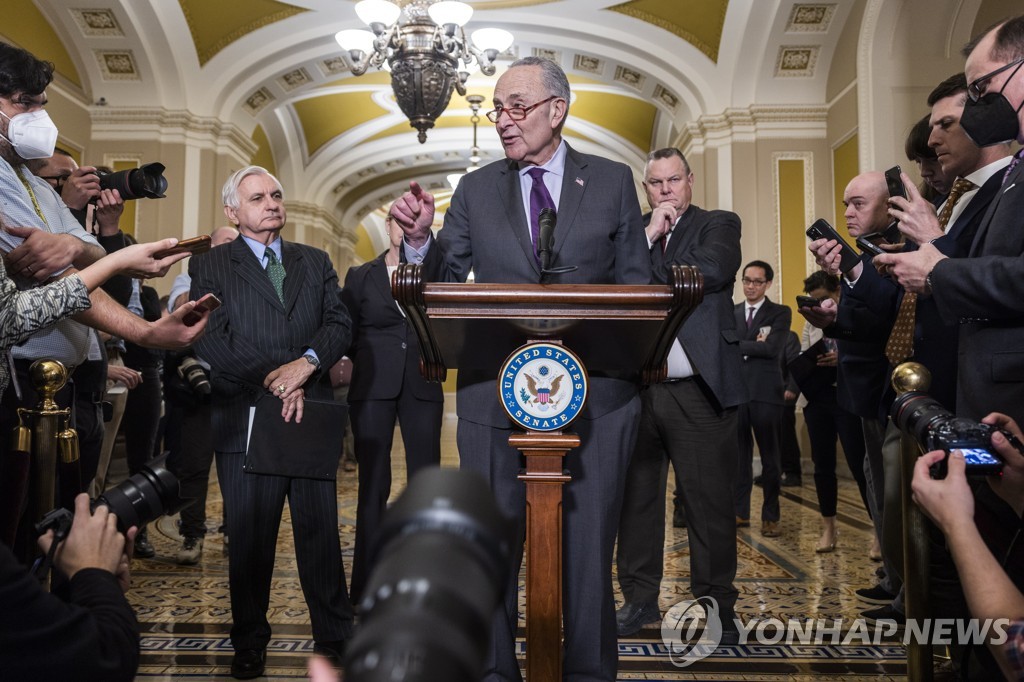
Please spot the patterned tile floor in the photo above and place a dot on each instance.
(185, 613)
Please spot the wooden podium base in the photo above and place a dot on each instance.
(544, 478)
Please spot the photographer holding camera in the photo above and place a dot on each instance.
(968, 522)
(89, 634)
(188, 438)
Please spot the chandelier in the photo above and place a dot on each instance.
(427, 52)
(474, 153)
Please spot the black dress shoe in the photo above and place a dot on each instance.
(758, 480)
(875, 595)
(679, 518)
(332, 651)
(792, 480)
(730, 633)
(248, 664)
(631, 618)
(143, 548)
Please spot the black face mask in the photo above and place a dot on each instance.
(992, 119)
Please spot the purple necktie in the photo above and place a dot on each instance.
(750, 317)
(539, 200)
(1013, 164)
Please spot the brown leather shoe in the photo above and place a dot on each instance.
(770, 529)
(742, 522)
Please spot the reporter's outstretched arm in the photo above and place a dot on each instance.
(168, 332)
(92, 636)
(134, 261)
(950, 503)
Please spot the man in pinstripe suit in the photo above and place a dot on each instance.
(267, 336)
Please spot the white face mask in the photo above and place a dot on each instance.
(32, 134)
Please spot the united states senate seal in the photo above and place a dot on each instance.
(543, 386)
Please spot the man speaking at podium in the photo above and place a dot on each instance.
(492, 228)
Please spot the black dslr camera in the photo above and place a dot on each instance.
(146, 181)
(140, 499)
(935, 428)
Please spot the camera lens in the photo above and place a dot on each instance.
(197, 377)
(918, 414)
(145, 496)
(135, 183)
(442, 565)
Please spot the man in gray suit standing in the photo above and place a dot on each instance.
(281, 326)
(690, 418)
(491, 229)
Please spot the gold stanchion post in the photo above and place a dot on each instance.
(913, 376)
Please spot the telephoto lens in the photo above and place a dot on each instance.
(146, 181)
(440, 572)
(138, 500)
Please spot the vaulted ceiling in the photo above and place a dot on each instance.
(642, 71)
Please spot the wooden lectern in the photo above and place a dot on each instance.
(625, 329)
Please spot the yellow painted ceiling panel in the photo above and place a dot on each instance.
(629, 117)
(264, 155)
(324, 118)
(369, 78)
(698, 22)
(24, 24)
(215, 25)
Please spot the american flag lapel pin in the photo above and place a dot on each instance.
(579, 181)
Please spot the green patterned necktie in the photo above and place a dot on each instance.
(275, 271)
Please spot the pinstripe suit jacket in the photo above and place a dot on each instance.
(252, 333)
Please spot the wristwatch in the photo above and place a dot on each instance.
(928, 282)
(313, 361)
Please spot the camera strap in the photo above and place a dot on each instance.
(44, 564)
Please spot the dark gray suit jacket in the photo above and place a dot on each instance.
(252, 333)
(599, 229)
(385, 351)
(985, 293)
(709, 241)
(762, 370)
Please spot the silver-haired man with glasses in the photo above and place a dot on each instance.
(492, 228)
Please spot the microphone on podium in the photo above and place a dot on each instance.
(546, 240)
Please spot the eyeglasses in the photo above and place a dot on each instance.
(974, 89)
(56, 181)
(516, 113)
(758, 282)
